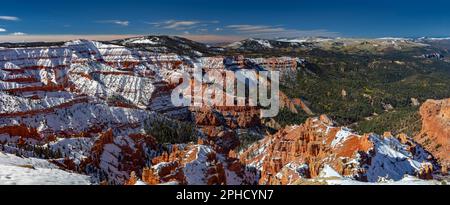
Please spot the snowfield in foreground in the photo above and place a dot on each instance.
(331, 177)
(20, 171)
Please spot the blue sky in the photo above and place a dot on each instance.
(227, 18)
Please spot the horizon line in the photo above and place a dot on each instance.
(203, 38)
(109, 37)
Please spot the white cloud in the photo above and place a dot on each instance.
(18, 34)
(9, 18)
(182, 24)
(244, 28)
(122, 23)
(265, 31)
(179, 24)
(174, 24)
(2, 30)
(118, 22)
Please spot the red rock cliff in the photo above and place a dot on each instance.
(435, 134)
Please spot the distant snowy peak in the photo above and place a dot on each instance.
(166, 44)
(264, 43)
(146, 41)
(235, 44)
(434, 39)
(253, 44)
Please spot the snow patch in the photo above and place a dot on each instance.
(341, 137)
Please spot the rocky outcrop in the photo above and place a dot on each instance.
(196, 165)
(302, 147)
(221, 124)
(301, 152)
(20, 130)
(114, 158)
(293, 105)
(300, 103)
(435, 134)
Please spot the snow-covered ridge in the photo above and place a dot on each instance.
(82, 84)
(433, 39)
(371, 44)
(264, 43)
(145, 41)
